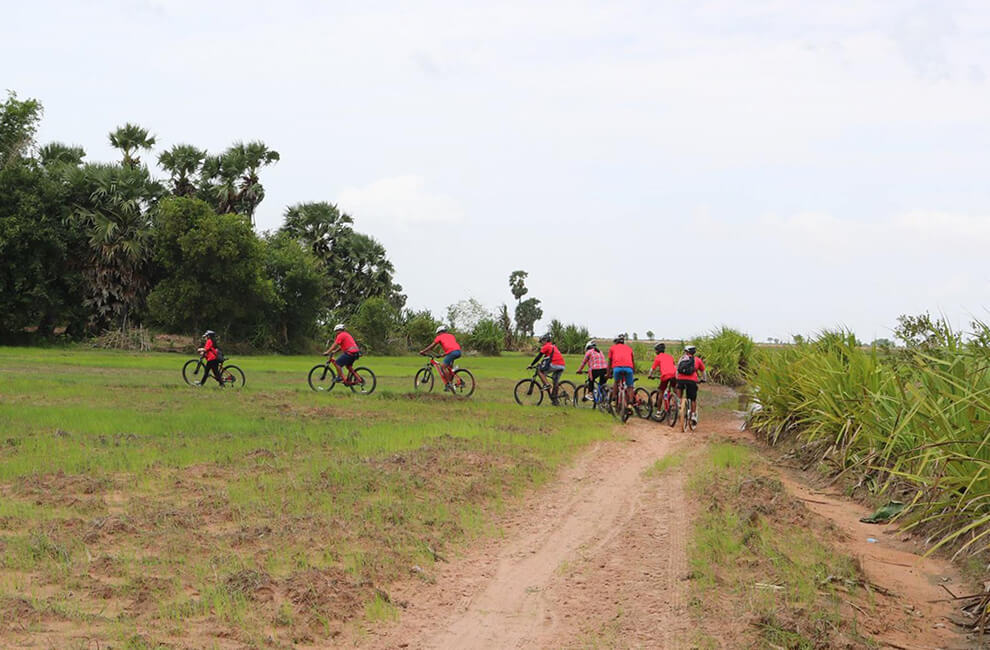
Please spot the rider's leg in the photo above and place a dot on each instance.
(212, 368)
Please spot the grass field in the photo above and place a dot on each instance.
(138, 510)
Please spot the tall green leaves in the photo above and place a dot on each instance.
(917, 420)
(728, 354)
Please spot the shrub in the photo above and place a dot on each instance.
(486, 337)
(728, 354)
(376, 326)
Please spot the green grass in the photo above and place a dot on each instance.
(117, 476)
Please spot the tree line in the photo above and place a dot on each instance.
(96, 247)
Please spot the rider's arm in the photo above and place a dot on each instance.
(429, 347)
(536, 358)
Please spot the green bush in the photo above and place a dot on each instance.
(486, 337)
(728, 355)
(376, 326)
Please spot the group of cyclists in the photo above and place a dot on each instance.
(549, 363)
(619, 364)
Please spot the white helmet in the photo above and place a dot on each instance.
(339, 327)
(441, 328)
(690, 349)
(590, 344)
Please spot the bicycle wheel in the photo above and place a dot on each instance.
(673, 410)
(368, 381)
(191, 372)
(463, 382)
(583, 398)
(565, 393)
(603, 400)
(622, 404)
(691, 421)
(233, 377)
(642, 404)
(527, 393)
(685, 414)
(423, 382)
(321, 378)
(657, 414)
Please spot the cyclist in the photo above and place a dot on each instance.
(687, 378)
(665, 364)
(553, 362)
(597, 368)
(210, 352)
(621, 364)
(451, 351)
(349, 350)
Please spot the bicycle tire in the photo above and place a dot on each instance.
(691, 423)
(233, 377)
(322, 378)
(463, 382)
(190, 370)
(643, 407)
(686, 415)
(675, 407)
(423, 381)
(580, 395)
(527, 393)
(565, 393)
(368, 381)
(657, 414)
(621, 403)
(603, 400)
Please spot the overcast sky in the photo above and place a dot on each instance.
(660, 165)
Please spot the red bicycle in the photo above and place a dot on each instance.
(325, 376)
(461, 382)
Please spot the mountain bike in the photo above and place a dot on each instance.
(618, 404)
(194, 370)
(597, 397)
(529, 392)
(323, 377)
(685, 414)
(461, 382)
(665, 406)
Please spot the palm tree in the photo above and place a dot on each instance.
(129, 139)
(182, 161)
(317, 226)
(117, 222)
(57, 153)
(248, 159)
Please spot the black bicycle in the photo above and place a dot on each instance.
(194, 373)
(529, 392)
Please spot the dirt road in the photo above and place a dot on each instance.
(598, 558)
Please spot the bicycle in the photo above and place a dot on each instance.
(323, 377)
(231, 375)
(460, 384)
(685, 414)
(667, 405)
(529, 392)
(620, 407)
(598, 396)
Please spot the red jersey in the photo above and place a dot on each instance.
(698, 365)
(665, 363)
(620, 355)
(210, 349)
(552, 351)
(447, 342)
(346, 343)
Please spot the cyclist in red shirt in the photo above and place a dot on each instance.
(664, 363)
(689, 380)
(621, 364)
(349, 350)
(553, 362)
(597, 368)
(451, 350)
(209, 352)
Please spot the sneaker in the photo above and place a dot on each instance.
(694, 419)
(588, 398)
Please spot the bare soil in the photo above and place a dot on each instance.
(598, 558)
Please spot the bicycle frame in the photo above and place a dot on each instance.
(433, 365)
(332, 363)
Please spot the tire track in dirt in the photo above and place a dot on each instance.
(598, 552)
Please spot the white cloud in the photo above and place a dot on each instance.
(398, 202)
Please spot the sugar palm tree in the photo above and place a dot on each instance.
(182, 162)
(131, 138)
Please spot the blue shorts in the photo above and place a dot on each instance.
(451, 357)
(623, 371)
(346, 359)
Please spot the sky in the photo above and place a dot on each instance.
(776, 166)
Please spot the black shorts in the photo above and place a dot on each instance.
(600, 375)
(690, 386)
